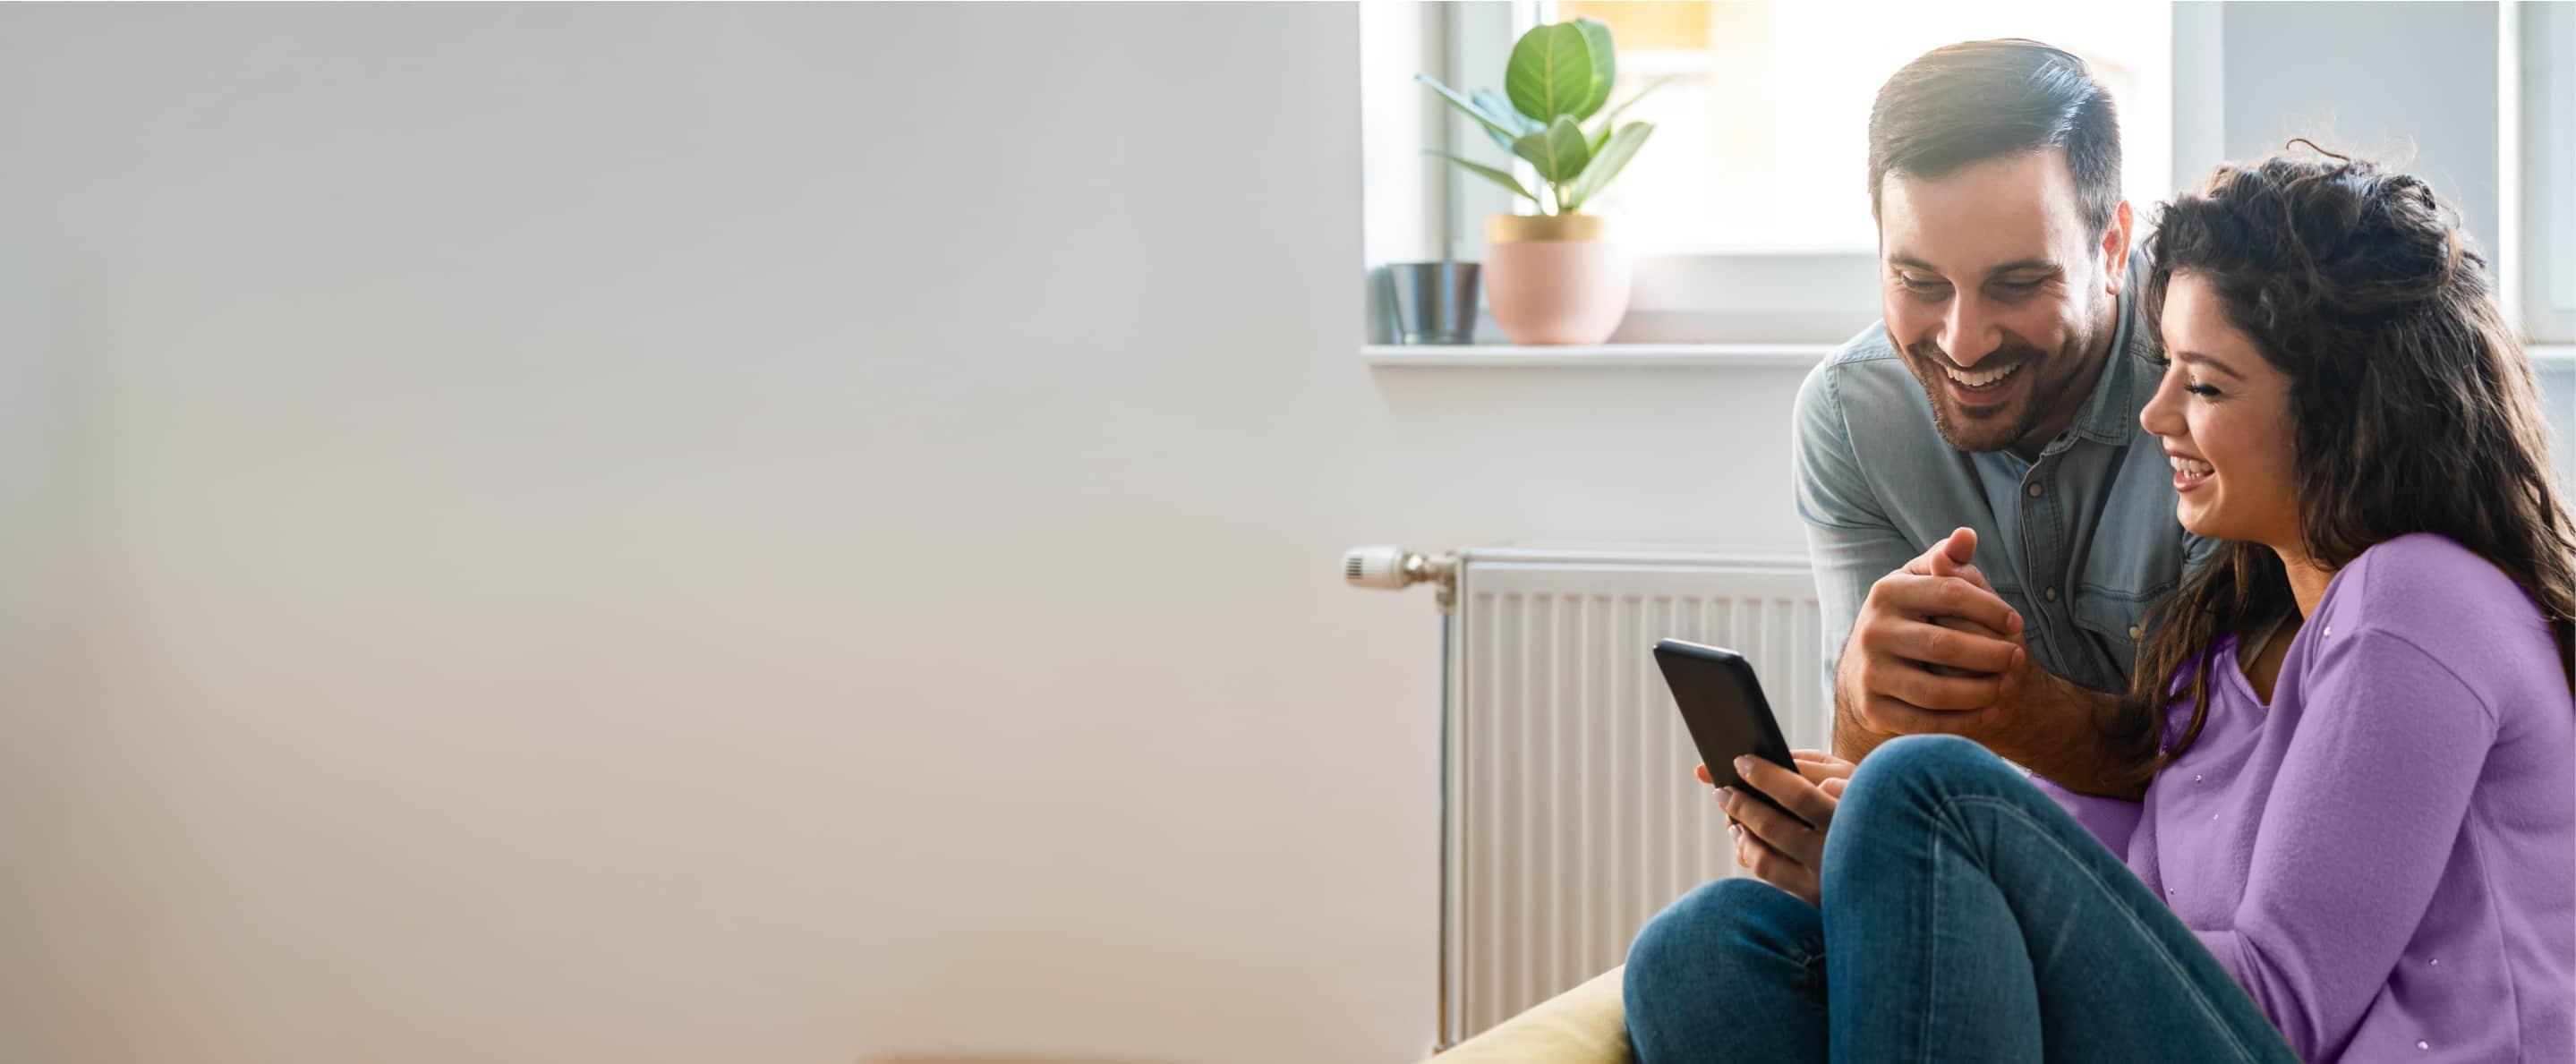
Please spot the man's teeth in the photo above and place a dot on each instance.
(2188, 467)
(1980, 380)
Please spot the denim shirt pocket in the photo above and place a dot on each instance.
(2115, 620)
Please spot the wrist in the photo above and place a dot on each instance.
(2057, 734)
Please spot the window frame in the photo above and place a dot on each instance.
(1750, 296)
(2539, 256)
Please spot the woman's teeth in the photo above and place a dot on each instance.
(1987, 379)
(2192, 470)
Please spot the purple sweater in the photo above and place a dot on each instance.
(2385, 857)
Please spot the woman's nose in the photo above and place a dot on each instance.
(2161, 415)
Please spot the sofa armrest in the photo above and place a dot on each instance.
(1585, 1025)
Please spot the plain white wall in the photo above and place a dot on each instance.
(2411, 82)
(738, 533)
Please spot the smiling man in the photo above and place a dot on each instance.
(1987, 518)
(2000, 395)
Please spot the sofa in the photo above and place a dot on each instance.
(1585, 1025)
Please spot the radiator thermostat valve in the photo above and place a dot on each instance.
(1393, 568)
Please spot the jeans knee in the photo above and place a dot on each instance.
(1732, 943)
(1927, 766)
(1724, 926)
(1901, 791)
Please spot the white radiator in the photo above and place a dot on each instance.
(1570, 816)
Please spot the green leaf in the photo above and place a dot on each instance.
(1622, 147)
(1490, 174)
(1551, 72)
(1492, 105)
(1602, 136)
(1605, 65)
(1460, 102)
(1559, 152)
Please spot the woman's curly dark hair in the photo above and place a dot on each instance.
(2414, 403)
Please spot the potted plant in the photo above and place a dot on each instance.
(1555, 277)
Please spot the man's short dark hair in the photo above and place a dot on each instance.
(1977, 100)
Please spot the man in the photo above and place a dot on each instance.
(1987, 519)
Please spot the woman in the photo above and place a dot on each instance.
(2354, 725)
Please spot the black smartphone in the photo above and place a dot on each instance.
(1723, 707)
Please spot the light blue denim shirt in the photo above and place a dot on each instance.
(2080, 541)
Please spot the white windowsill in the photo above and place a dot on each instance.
(1596, 356)
(1671, 356)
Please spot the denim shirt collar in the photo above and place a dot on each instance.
(2110, 414)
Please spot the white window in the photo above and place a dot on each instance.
(1748, 211)
(1761, 137)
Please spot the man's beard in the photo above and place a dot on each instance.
(2050, 378)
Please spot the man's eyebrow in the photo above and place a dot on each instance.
(2016, 266)
(2198, 359)
(2026, 266)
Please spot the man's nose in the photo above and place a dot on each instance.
(1969, 333)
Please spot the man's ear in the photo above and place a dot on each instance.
(2115, 248)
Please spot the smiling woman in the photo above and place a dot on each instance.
(2307, 304)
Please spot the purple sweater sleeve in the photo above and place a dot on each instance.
(2109, 819)
(2373, 789)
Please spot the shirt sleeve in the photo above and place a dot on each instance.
(2364, 815)
(1850, 541)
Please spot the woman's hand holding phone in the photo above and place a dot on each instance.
(1778, 849)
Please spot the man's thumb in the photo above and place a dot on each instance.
(1961, 546)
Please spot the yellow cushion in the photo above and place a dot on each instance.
(1585, 1025)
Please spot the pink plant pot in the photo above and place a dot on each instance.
(1554, 279)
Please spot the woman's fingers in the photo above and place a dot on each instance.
(1702, 772)
(1771, 866)
(1777, 847)
(1793, 792)
(1819, 766)
(1784, 834)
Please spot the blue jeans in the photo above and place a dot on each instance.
(1966, 917)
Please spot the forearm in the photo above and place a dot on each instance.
(1853, 738)
(2051, 728)
(2054, 728)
